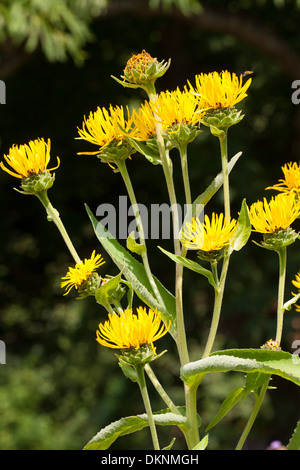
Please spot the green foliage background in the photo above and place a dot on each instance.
(58, 387)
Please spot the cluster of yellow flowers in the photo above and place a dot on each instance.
(113, 130)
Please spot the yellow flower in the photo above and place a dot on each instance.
(76, 277)
(296, 283)
(213, 235)
(220, 90)
(278, 214)
(291, 181)
(131, 331)
(144, 122)
(29, 159)
(176, 107)
(104, 126)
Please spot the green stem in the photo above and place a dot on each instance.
(224, 159)
(125, 175)
(142, 384)
(280, 313)
(219, 292)
(185, 173)
(258, 401)
(53, 216)
(181, 340)
(192, 436)
(167, 168)
(161, 391)
(281, 285)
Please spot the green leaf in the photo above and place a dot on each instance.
(169, 447)
(135, 274)
(149, 151)
(131, 424)
(202, 444)
(187, 263)
(211, 190)
(243, 230)
(247, 361)
(230, 401)
(294, 443)
(217, 132)
(110, 291)
(253, 381)
(133, 246)
(288, 305)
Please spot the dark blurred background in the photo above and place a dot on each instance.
(59, 387)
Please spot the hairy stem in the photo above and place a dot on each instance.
(53, 216)
(143, 387)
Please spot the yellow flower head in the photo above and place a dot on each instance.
(291, 181)
(104, 126)
(176, 107)
(144, 122)
(213, 235)
(77, 276)
(220, 90)
(278, 214)
(29, 159)
(131, 331)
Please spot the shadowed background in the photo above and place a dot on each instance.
(59, 387)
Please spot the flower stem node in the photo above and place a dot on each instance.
(142, 70)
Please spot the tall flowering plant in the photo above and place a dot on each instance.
(141, 311)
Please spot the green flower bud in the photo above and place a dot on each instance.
(142, 70)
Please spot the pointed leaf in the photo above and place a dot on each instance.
(131, 424)
(294, 443)
(187, 263)
(148, 151)
(268, 362)
(230, 401)
(211, 190)
(135, 274)
(133, 246)
(110, 291)
(202, 444)
(243, 230)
